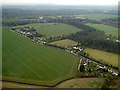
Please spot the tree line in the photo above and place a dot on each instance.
(91, 38)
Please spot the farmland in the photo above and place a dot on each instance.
(106, 57)
(53, 29)
(0, 53)
(14, 20)
(82, 83)
(99, 16)
(28, 62)
(66, 43)
(107, 29)
(17, 85)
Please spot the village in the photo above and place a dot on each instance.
(86, 65)
(89, 65)
(31, 34)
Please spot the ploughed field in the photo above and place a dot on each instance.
(64, 43)
(26, 61)
(102, 56)
(53, 29)
(107, 29)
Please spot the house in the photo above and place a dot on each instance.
(81, 49)
(75, 47)
(102, 67)
(71, 51)
(109, 70)
(117, 41)
(108, 38)
(85, 64)
(115, 73)
(28, 33)
(23, 32)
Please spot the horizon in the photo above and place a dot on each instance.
(62, 2)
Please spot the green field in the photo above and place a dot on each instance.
(66, 43)
(99, 16)
(14, 20)
(52, 29)
(107, 29)
(106, 57)
(82, 83)
(0, 53)
(25, 61)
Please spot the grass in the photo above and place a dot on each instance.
(107, 29)
(52, 29)
(82, 83)
(26, 61)
(14, 20)
(64, 43)
(106, 57)
(99, 16)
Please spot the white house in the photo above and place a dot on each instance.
(81, 49)
(110, 71)
(114, 73)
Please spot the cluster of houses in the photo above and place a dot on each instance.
(87, 63)
(97, 66)
(30, 33)
(117, 41)
(74, 49)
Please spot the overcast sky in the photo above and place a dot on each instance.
(63, 2)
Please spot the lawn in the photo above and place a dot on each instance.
(66, 43)
(82, 83)
(107, 29)
(106, 57)
(53, 29)
(26, 61)
(99, 16)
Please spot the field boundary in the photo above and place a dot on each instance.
(39, 84)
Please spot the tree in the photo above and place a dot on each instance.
(82, 68)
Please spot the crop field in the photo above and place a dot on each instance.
(25, 61)
(0, 53)
(18, 85)
(106, 57)
(99, 16)
(64, 43)
(53, 29)
(13, 20)
(82, 83)
(107, 29)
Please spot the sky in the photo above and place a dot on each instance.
(63, 2)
